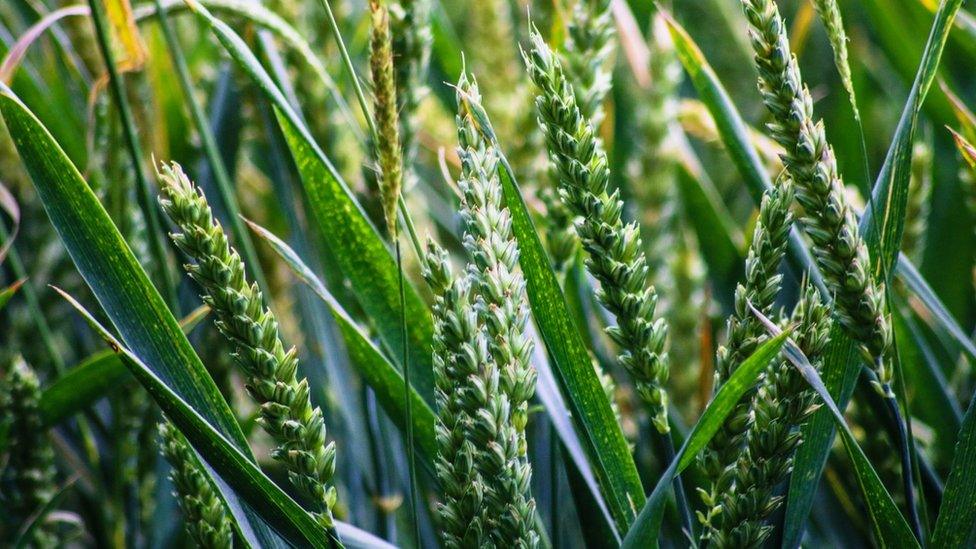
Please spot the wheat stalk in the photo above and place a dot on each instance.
(616, 258)
(204, 514)
(270, 371)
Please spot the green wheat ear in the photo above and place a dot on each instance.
(502, 311)
(462, 377)
(270, 371)
(389, 153)
(783, 404)
(587, 51)
(745, 334)
(616, 258)
(838, 246)
(204, 514)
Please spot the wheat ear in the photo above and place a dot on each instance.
(270, 371)
(616, 258)
(204, 514)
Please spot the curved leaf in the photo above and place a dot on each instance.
(122, 287)
(231, 464)
(92, 379)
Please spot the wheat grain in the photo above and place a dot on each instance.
(28, 474)
(589, 43)
(463, 378)
(411, 42)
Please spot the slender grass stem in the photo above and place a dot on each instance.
(907, 467)
(665, 443)
(221, 177)
(411, 459)
(134, 148)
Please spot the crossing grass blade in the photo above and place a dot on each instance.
(890, 527)
(230, 464)
(956, 524)
(8, 293)
(92, 379)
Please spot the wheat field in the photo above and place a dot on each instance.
(487, 273)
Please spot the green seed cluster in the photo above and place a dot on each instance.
(745, 334)
(389, 155)
(615, 250)
(28, 472)
(204, 515)
(269, 370)
(502, 309)
(838, 247)
(784, 402)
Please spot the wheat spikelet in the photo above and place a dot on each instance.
(389, 154)
(839, 248)
(745, 334)
(270, 371)
(783, 403)
(501, 305)
(616, 258)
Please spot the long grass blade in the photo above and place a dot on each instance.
(121, 285)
